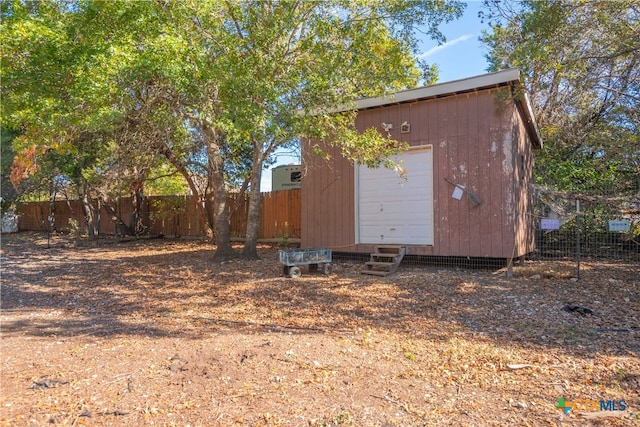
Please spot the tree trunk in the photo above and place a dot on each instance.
(137, 194)
(51, 219)
(253, 215)
(121, 226)
(89, 213)
(221, 226)
(52, 208)
(203, 206)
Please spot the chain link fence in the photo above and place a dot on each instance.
(570, 229)
(579, 227)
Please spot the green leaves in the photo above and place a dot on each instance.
(114, 90)
(581, 65)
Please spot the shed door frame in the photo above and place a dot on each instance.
(417, 224)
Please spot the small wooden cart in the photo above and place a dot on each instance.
(316, 259)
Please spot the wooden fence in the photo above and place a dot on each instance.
(170, 215)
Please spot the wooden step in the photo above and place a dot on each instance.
(384, 255)
(375, 272)
(379, 264)
(392, 256)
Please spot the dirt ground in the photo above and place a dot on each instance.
(152, 332)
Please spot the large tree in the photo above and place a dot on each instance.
(58, 92)
(79, 83)
(206, 84)
(291, 63)
(581, 61)
(8, 193)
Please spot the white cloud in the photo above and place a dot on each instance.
(446, 45)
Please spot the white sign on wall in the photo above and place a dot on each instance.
(623, 225)
(550, 224)
(457, 192)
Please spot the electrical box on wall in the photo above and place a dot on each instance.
(286, 177)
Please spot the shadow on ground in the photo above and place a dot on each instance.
(172, 288)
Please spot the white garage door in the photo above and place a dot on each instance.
(393, 210)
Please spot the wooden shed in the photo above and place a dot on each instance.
(471, 140)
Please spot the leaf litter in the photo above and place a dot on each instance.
(155, 332)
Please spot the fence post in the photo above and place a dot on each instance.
(99, 219)
(578, 236)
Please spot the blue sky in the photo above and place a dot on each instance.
(461, 56)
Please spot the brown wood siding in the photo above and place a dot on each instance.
(525, 229)
(327, 201)
(483, 214)
(475, 173)
(477, 139)
(502, 174)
